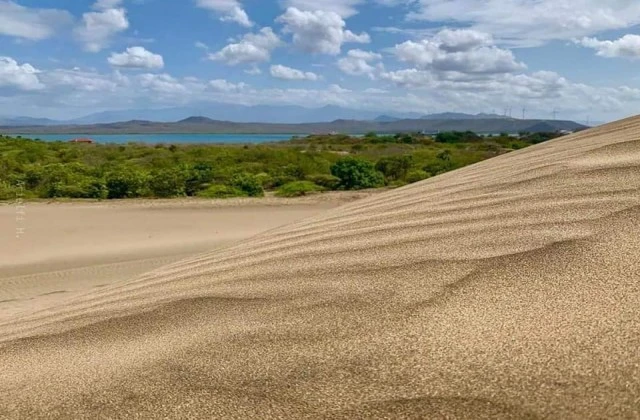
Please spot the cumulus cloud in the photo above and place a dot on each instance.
(403, 90)
(344, 8)
(252, 48)
(20, 76)
(167, 85)
(137, 58)
(231, 11)
(78, 80)
(628, 46)
(319, 31)
(100, 26)
(287, 73)
(464, 51)
(533, 22)
(222, 85)
(358, 63)
(31, 23)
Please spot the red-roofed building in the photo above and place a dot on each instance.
(81, 140)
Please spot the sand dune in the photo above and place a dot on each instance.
(507, 289)
(68, 249)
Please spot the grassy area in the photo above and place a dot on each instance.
(37, 169)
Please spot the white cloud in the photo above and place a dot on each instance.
(21, 76)
(357, 63)
(82, 91)
(254, 71)
(252, 48)
(462, 39)
(106, 4)
(169, 86)
(137, 58)
(222, 85)
(31, 23)
(628, 46)
(78, 80)
(100, 26)
(464, 51)
(335, 88)
(287, 73)
(344, 8)
(376, 91)
(319, 31)
(526, 22)
(231, 11)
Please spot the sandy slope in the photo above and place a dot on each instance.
(508, 289)
(68, 249)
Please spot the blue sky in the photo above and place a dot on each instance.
(64, 59)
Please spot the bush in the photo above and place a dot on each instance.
(329, 182)
(416, 176)
(222, 191)
(394, 167)
(167, 183)
(298, 188)
(248, 183)
(265, 180)
(69, 180)
(125, 183)
(197, 178)
(355, 173)
(7, 192)
(84, 188)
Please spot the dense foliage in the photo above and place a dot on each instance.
(32, 168)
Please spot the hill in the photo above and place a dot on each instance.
(506, 289)
(199, 124)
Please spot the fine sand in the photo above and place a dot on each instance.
(507, 289)
(55, 252)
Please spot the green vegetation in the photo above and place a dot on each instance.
(298, 188)
(37, 169)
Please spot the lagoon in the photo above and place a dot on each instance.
(165, 138)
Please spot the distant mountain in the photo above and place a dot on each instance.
(26, 121)
(278, 114)
(386, 118)
(462, 116)
(196, 120)
(200, 124)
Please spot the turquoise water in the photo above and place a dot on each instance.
(164, 138)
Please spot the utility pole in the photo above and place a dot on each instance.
(524, 110)
(555, 114)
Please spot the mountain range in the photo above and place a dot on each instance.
(283, 114)
(193, 125)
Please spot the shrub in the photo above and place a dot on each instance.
(298, 188)
(221, 191)
(248, 183)
(394, 167)
(416, 175)
(125, 183)
(265, 180)
(81, 188)
(7, 192)
(197, 178)
(329, 182)
(167, 183)
(356, 173)
(69, 180)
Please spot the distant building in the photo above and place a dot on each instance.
(81, 140)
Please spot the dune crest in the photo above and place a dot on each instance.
(507, 289)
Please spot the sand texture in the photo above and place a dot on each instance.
(507, 289)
